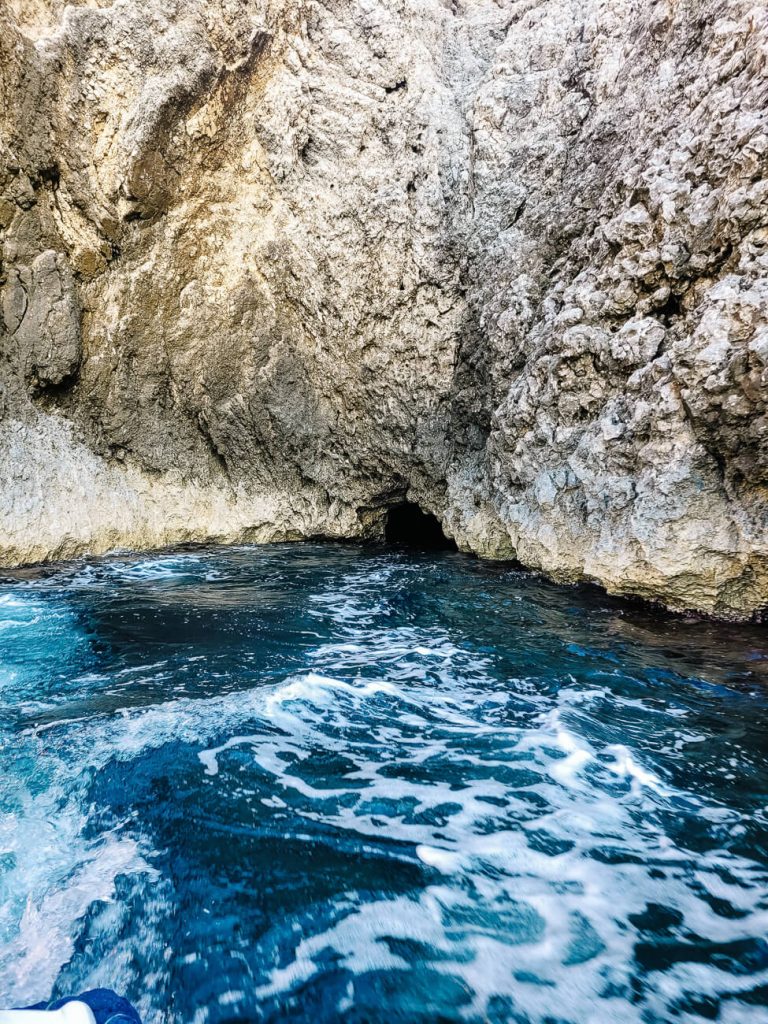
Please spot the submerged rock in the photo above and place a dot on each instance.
(271, 268)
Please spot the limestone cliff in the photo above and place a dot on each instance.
(269, 267)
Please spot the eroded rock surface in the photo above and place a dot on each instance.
(269, 268)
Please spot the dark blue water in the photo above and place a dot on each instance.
(321, 783)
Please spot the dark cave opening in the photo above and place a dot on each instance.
(410, 526)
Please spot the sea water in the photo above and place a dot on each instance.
(331, 783)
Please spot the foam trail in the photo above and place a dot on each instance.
(335, 783)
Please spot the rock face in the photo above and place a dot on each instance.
(271, 267)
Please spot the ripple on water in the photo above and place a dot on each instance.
(329, 783)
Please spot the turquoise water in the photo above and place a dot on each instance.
(330, 783)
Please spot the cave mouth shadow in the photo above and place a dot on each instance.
(408, 525)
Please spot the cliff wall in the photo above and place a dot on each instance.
(270, 267)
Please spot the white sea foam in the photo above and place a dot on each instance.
(154, 569)
(571, 892)
(568, 892)
(52, 875)
(44, 935)
(536, 836)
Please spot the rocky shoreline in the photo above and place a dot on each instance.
(270, 268)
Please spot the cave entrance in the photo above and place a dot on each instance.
(410, 526)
